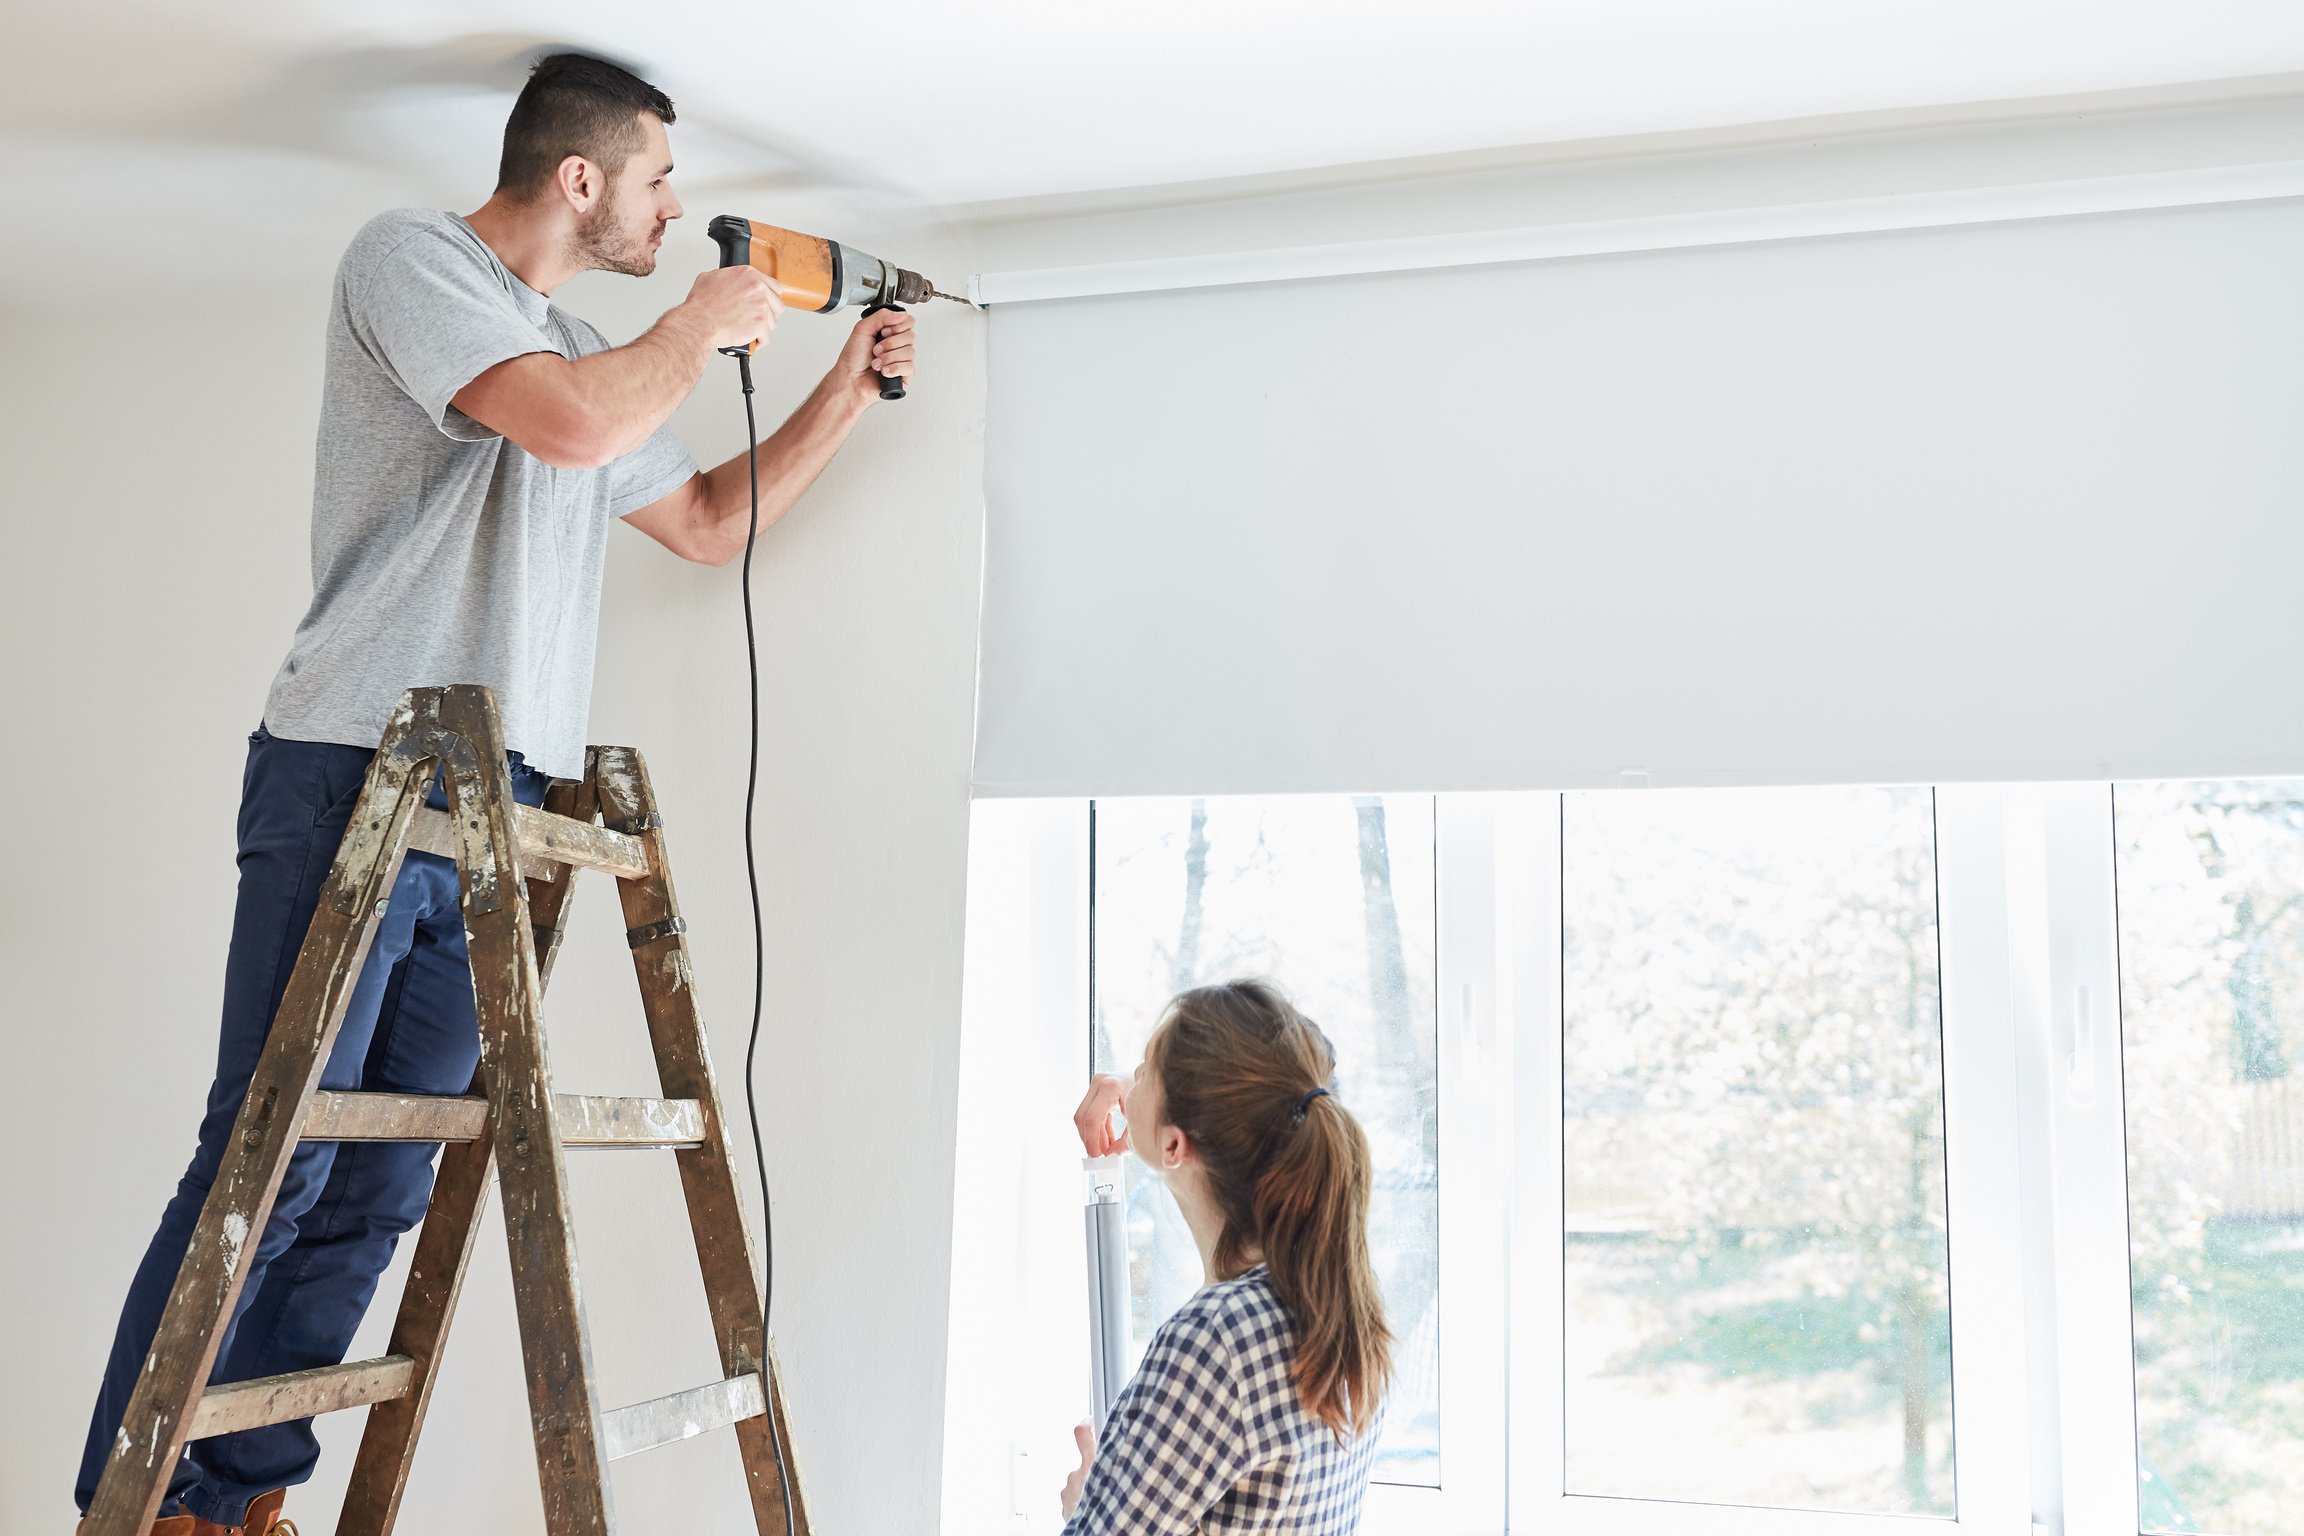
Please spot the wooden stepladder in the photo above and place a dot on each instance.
(516, 867)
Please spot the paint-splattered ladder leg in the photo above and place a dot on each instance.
(716, 1212)
(444, 1243)
(208, 1284)
(507, 988)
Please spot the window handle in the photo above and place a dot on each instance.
(1473, 1059)
(2080, 1062)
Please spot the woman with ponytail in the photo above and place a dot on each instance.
(1257, 1406)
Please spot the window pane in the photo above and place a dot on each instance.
(1331, 897)
(2211, 882)
(1755, 1257)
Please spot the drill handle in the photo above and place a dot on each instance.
(891, 385)
(734, 237)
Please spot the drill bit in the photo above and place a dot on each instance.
(937, 293)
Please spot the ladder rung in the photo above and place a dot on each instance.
(593, 1120)
(298, 1395)
(395, 1117)
(545, 839)
(645, 1426)
(583, 1120)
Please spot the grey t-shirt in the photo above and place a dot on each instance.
(441, 552)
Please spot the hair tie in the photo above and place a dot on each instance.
(1305, 1103)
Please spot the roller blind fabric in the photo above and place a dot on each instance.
(2009, 501)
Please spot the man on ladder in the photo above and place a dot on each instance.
(475, 443)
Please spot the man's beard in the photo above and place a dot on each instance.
(601, 244)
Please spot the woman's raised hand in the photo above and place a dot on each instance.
(1093, 1119)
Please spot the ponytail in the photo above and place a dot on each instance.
(1245, 1076)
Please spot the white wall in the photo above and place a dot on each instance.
(160, 448)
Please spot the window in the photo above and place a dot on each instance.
(1331, 897)
(1754, 1236)
(1765, 1162)
(2211, 914)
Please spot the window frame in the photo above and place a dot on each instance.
(1983, 1212)
(2081, 1104)
(2043, 1410)
(1472, 1239)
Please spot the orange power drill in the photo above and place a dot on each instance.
(820, 274)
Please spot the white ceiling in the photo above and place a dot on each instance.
(269, 114)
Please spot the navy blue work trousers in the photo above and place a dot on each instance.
(410, 1028)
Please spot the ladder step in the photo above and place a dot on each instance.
(645, 1426)
(594, 1120)
(239, 1405)
(545, 840)
(395, 1117)
(583, 1119)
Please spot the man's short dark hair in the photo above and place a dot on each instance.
(574, 104)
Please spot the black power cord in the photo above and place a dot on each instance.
(759, 955)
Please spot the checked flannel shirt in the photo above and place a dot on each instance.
(1210, 1436)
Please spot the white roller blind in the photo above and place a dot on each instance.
(2011, 501)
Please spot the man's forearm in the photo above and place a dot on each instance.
(630, 391)
(789, 459)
